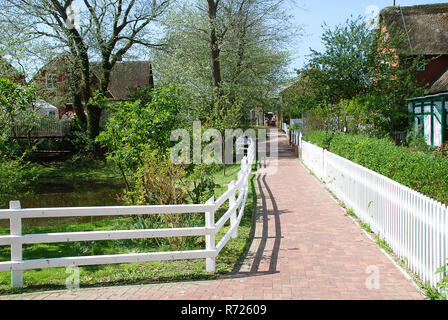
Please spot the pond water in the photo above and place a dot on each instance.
(68, 195)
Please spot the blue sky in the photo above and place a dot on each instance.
(333, 12)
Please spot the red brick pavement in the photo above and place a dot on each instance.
(305, 247)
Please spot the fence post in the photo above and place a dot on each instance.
(210, 244)
(233, 216)
(16, 246)
(324, 162)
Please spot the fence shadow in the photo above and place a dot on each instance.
(257, 260)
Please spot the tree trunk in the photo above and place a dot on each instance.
(212, 8)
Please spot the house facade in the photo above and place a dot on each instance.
(53, 81)
(426, 31)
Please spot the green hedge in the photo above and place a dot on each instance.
(423, 172)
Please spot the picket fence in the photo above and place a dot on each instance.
(236, 196)
(285, 127)
(413, 225)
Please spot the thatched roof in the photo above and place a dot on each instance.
(426, 25)
(440, 85)
(127, 74)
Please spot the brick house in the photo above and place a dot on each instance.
(53, 81)
(426, 31)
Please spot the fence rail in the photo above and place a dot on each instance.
(236, 195)
(413, 225)
(44, 127)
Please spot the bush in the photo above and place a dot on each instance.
(423, 172)
(161, 182)
(15, 177)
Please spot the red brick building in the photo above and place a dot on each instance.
(54, 79)
(426, 31)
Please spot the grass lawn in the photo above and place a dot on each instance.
(133, 273)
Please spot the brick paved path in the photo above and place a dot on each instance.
(305, 247)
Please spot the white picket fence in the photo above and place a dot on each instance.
(236, 196)
(294, 137)
(414, 226)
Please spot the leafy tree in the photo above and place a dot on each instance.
(106, 30)
(227, 53)
(16, 111)
(135, 129)
(361, 74)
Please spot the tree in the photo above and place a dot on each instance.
(16, 112)
(106, 30)
(135, 129)
(363, 64)
(229, 53)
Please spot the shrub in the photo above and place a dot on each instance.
(423, 172)
(161, 182)
(15, 178)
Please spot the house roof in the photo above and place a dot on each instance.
(440, 84)
(426, 26)
(126, 74)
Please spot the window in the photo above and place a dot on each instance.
(51, 81)
(421, 67)
(67, 81)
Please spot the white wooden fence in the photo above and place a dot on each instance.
(294, 137)
(414, 226)
(236, 195)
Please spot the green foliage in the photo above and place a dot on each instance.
(16, 110)
(295, 126)
(80, 143)
(442, 286)
(203, 184)
(135, 129)
(142, 93)
(252, 63)
(320, 138)
(416, 141)
(158, 181)
(419, 171)
(15, 177)
(359, 78)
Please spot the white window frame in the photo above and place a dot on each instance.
(51, 84)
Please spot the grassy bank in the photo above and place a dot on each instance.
(133, 273)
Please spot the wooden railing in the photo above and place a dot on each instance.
(236, 196)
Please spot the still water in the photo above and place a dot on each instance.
(67, 195)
